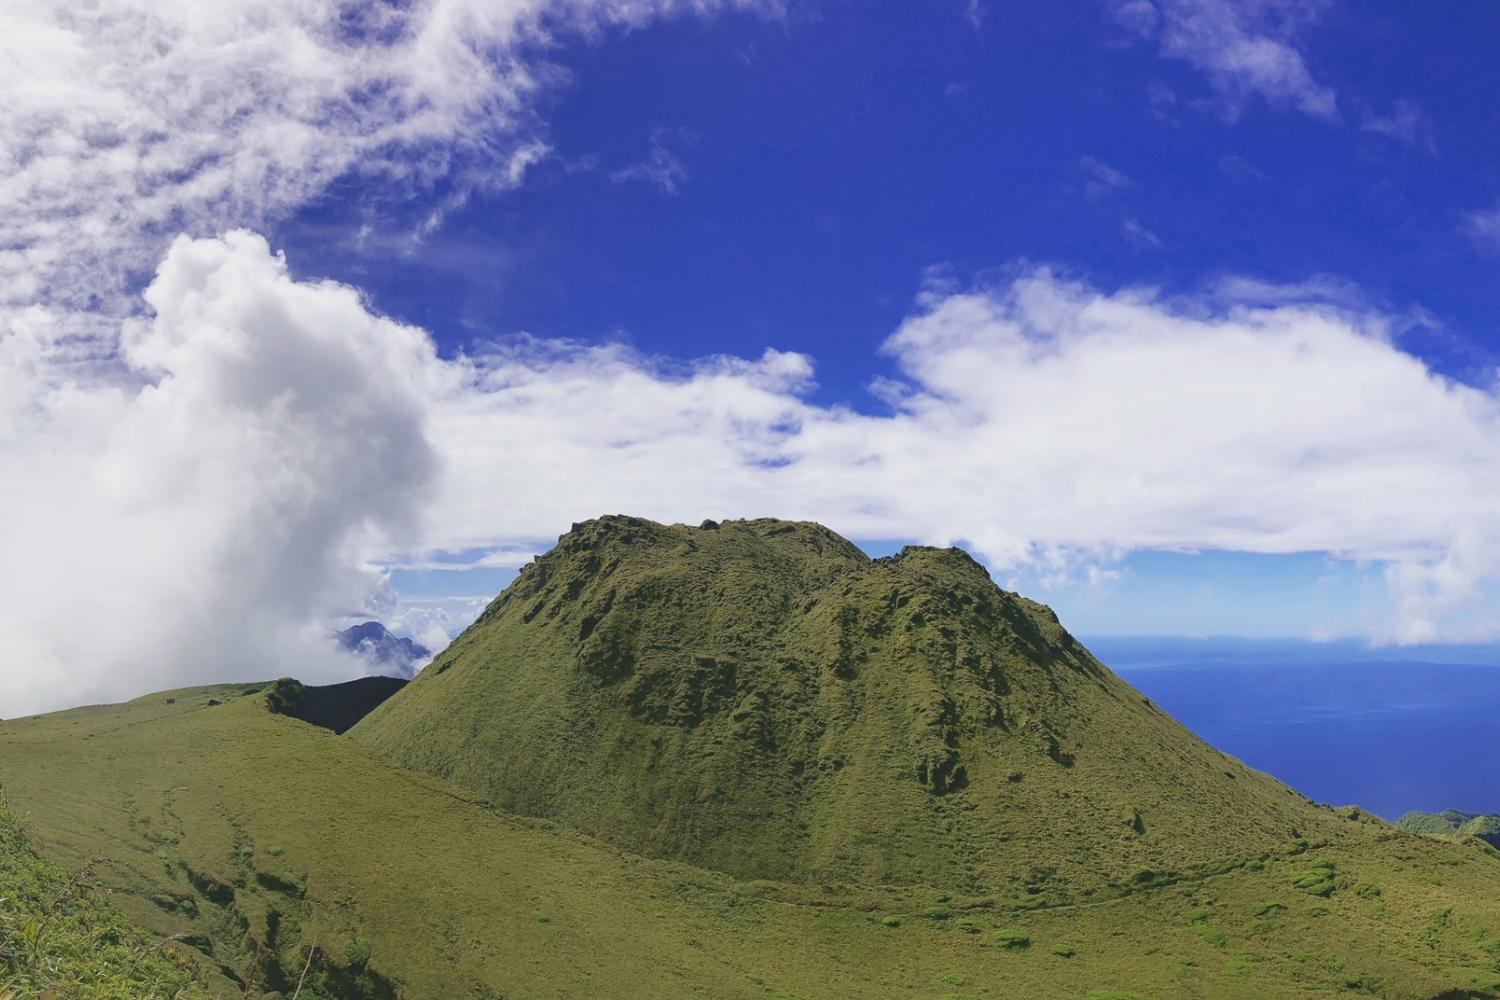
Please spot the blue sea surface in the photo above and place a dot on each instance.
(1388, 734)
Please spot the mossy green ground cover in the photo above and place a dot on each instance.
(273, 846)
(258, 836)
(60, 938)
(1453, 823)
(761, 698)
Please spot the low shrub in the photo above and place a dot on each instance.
(1011, 940)
(1213, 937)
(1319, 879)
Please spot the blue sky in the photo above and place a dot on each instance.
(827, 160)
(1177, 313)
(726, 185)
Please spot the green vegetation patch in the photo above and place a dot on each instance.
(790, 748)
(1320, 878)
(761, 698)
(1453, 823)
(1011, 939)
(59, 937)
(1214, 937)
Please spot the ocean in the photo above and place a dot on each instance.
(1341, 725)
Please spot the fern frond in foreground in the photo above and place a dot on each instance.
(60, 938)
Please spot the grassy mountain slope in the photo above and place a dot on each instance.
(1452, 823)
(761, 698)
(59, 938)
(260, 837)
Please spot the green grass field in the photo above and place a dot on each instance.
(1453, 824)
(263, 840)
(61, 939)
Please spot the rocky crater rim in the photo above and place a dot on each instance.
(627, 529)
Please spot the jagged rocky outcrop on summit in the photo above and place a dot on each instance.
(762, 698)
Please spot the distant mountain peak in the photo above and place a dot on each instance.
(387, 653)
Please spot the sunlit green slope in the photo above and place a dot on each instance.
(893, 780)
(761, 698)
(1453, 824)
(259, 837)
(60, 938)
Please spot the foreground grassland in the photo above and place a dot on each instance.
(273, 846)
(60, 938)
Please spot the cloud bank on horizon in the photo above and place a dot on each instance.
(197, 477)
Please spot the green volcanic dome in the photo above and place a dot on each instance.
(762, 698)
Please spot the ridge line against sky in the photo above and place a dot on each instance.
(216, 455)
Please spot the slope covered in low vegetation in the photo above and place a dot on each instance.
(264, 842)
(762, 698)
(61, 938)
(1079, 845)
(1452, 823)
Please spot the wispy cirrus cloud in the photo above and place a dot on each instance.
(1140, 235)
(1246, 49)
(1100, 179)
(1482, 225)
(1407, 123)
(662, 168)
(126, 122)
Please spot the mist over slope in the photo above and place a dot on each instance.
(761, 698)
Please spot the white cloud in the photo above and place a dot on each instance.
(1139, 18)
(278, 443)
(662, 167)
(1407, 123)
(204, 521)
(1140, 235)
(1044, 422)
(975, 12)
(1483, 226)
(1246, 48)
(1102, 179)
(126, 122)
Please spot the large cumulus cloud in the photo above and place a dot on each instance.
(205, 522)
(277, 444)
